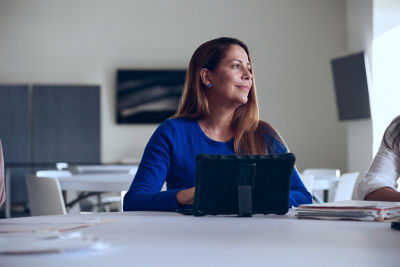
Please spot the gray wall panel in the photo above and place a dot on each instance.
(14, 126)
(66, 124)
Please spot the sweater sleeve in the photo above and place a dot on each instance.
(145, 190)
(298, 193)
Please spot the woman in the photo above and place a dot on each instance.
(380, 182)
(218, 114)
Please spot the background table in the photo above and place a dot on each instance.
(171, 239)
(109, 182)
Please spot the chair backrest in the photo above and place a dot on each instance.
(44, 196)
(345, 188)
(322, 172)
(308, 181)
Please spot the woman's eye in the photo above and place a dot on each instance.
(237, 66)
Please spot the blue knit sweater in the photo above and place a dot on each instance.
(170, 156)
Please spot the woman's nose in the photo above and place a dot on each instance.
(247, 74)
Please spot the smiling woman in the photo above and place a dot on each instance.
(218, 114)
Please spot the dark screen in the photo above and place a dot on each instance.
(148, 96)
(351, 87)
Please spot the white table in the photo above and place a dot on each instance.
(95, 169)
(170, 239)
(109, 182)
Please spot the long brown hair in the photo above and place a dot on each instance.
(392, 135)
(249, 137)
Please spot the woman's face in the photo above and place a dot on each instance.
(231, 79)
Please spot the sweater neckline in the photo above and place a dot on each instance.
(208, 139)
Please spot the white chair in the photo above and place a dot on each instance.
(325, 180)
(68, 196)
(322, 172)
(308, 181)
(44, 196)
(345, 188)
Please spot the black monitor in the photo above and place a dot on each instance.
(148, 96)
(351, 87)
(243, 184)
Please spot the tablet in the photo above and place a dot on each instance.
(242, 184)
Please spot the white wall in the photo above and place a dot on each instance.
(292, 43)
(386, 65)
(359, 132)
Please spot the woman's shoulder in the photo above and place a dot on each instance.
(178, 122)
(274, 140)
(269, 130)
(175, 124)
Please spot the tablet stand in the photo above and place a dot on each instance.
(247, 173)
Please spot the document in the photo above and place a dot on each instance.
(60, 224)
(351, 210)
(32, 235)
(48, 242)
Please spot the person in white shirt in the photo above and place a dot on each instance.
(2, 188)
(380, 181)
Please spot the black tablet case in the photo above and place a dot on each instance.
(243, 185)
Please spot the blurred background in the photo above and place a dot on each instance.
(67, 45)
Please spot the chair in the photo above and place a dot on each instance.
(345, 188)
(323, 175)
(322, 172)
(308, 181)
(44, 195)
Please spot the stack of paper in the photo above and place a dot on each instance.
(47, 242)
(351, 210)
(31, 235)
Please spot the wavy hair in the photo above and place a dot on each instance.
(391, 138)
(249, 131)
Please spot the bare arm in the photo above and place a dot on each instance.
(384, 194)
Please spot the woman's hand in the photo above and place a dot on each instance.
(185, 197)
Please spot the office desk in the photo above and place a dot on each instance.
(170, 239)
(109, 182)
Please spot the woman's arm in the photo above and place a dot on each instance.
(384, 194)
(144, 192)
(298, 193)
(383, 173)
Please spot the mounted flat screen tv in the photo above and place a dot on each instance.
(148, 96)
(351, 87)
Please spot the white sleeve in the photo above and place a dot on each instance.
(383, 172)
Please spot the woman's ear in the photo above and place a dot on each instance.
(205, 76)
